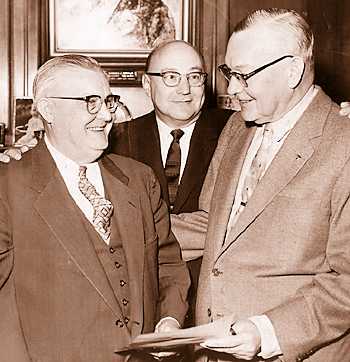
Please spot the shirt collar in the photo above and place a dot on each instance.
(165, 129)
(63, 162)
(281, 127)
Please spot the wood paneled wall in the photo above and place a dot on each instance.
(19, 51)
(23, 42)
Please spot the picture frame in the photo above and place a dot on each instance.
(22, 107)
(118, 33)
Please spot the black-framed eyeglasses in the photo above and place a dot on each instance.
(94, 102)
(173, 79)
(228, 73)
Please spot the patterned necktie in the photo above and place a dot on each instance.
(258, 166)
(103, 209)
(172, 165)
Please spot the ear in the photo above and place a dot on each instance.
(146, 84)
(44, 106)
(296, 72)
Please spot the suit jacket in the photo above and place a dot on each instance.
(60, 304)
(139, 139)
(288, 254)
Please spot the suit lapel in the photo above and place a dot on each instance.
(63, 219)
(295, 152)
(226, 184)
(127, 212)
(202, 145)
(148, 150)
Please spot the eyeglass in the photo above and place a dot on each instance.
(173, 79)
(94, 102)
(242, 78)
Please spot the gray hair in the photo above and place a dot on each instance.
(47, 72)
(285, 19)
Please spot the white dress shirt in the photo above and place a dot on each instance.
(166, 138)
(280, 129)
(69, 171)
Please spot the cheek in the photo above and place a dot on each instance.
(162, 97)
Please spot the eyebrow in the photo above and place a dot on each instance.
(200, 69)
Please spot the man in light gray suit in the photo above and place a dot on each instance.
(275, 208)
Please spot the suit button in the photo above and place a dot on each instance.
(209, 312)
(216, 272)
(125, 301)
(122, 283)
(111, 250)
(126, 320)
(117, 265)
(119, 323)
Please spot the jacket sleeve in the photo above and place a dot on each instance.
(174, 278)
(190, 228)
(11, 338)
(319, 313)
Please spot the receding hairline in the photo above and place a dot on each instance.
(47, 73)
(173, 43)
(286, 21)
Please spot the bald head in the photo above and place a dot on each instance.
(179, 48)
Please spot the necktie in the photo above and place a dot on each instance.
(103, 209)
(172, 165)
(258, 166)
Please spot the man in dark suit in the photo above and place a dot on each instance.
(87, 257)
(175, 82)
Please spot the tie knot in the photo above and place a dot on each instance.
(82, 171)
(177, 134)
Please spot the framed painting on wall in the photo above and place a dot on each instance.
(118, 33)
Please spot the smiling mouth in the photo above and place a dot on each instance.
(183, 101)
(96, 128)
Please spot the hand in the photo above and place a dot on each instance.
(345, 109)
(244, 345)
(25, 143)
(165, 325)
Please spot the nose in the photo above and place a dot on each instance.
(234, 86)
(104, 113)
(184, 86)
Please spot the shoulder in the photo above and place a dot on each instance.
(130, 167)
(217, 117)
(135, 125)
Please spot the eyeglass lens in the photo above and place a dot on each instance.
(173, 79)
(94, 103)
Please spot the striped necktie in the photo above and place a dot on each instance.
(258, 166)
(103, 208)
(172, 165)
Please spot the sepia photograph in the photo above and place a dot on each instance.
(175, 181)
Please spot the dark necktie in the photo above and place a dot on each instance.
(103, 209)
(172, 165)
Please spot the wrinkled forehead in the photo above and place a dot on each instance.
(178, 56)
(259, 44)
(75, 81)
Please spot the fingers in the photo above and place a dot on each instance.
(13, 153)
(4, 158)
(345, 109)
(27, 141)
